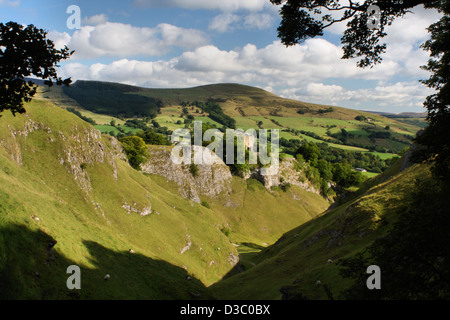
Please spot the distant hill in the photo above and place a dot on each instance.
(247, 106)
(401, 115)
(96, 96)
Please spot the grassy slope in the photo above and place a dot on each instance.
(299, 258)
(95, 232)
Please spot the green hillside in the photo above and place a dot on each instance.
(60, 180)
(312, 251)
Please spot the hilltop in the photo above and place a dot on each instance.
(247, 106)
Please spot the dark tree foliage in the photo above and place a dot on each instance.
(214, 111)
(136, 150)
(78, 113)
(305, 19)
(136, 123)
(435, 139)
(113, 99)
(380, 135)
(415, 256)
(25, 51)
(368, 161)
(324, 166)
(322, 111)
(151, 137)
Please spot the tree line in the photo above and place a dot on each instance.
(214, 111)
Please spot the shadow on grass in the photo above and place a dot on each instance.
(252, 246)
(245, 258)
(31, 269)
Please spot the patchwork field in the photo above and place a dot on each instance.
(253, 108)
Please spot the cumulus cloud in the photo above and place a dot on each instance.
(314, 60)
(259, 21)
(209, 59)
(95, 19)
(312, 71)
(296, 72)
(60, 39)
(406, 35)
(124, 40)
(224, 5)
(412, 27)
(390, 95)
(404, 38)
(226, 22)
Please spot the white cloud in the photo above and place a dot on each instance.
(404, 38)
(312, 71)
(295, 72)
(95, 19)
(319, 89)
(259, 21)
(224, 5)
(411, 28)
(311, 62)
(223, 22)
(60, 39)
(124, 40)
(185, 38)
(389, 95)
(226, 22)
(209, 59)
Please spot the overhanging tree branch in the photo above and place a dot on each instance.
(25, 51)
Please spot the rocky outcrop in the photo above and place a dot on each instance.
(210, 179)
(13, 146)
(84, 147)
(76, 147)
(142, 212)
(283, 174)
(214, 178)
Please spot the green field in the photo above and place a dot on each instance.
(370, 174)
(101, 119)
(384, 156)
(248, 106)
(107, 129)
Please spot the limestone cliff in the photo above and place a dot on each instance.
(286, 172)
(210, 179)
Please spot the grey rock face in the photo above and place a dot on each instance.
(211, 179)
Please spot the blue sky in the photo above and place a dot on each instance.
(185, 43)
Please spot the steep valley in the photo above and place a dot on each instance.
(64, 182)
